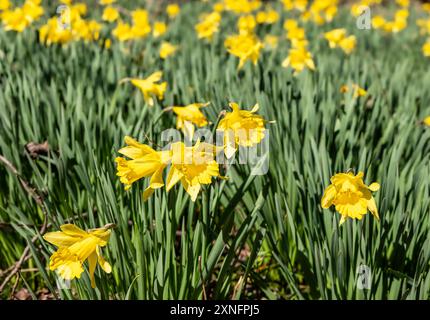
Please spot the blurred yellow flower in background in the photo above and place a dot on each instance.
(290, 24)
(378, 22)
(149, 86)
(299, 5)
(245, 47)
(426, 121)
(188, 116)
(173, 10)
(32, 10)
(52, 32)
(246, 24)
(426, 49)
(271, 41)
(159, 28)
(110, 14)
(208, 25)
(241, 128)
(299, 59)
(167, 49)
(350, 196)
(141, 26)
(269, 16)
(4, 5)
(424, 25)
(107, 2)
(123, 31)
(242, 6)
(296, 34)
(218, 6)
(14, 20)
(338, 38)
(74, 247)
(403, 3)
(358, 91)
(20, 17)
(87, 30)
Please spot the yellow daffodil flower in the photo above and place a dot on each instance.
(4, 5)
(107, 43)
(348, 44)
(21, 17)
(218, 7)
(426, 121)
(78, 10)
(378, 22)
(32, 10)
(338, 38)
(87, 30)
(246, 24)
(144, 162)
(299, 5)
(110, 14)
(242, 6)
(426, 49)
(299, 59)
(188, 116)
(330, 13)
(173, 10)
(290, 24)
(296, 34)
(74, 247)
(241, 128)
(51, 32)
(271, 41)
(245, 47)
(149, 86)
(267, 17)
(167, 49)
(192, 166)
(403, 3)
(141, 27)
(123, 31)
(159, 28)
(350, 196)
(14, 20)
(106, 2)
(208, 25)
(358, 91)
(424, 25)
(335, 36)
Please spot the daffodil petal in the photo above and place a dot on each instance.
(374, 187)
(102, 262)
(173, 177)
(371, 205)
(92, 261)
(61, 239)
(73, 230)
(328, 197)
(147, 193)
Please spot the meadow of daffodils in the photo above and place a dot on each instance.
(230, 149)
